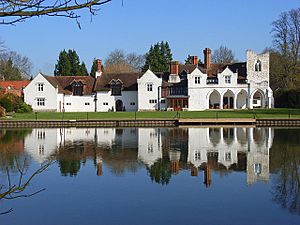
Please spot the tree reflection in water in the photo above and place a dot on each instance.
(16, 187)
(285, 163)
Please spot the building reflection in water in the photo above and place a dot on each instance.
(164, 151)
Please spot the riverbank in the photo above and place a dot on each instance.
(209, 114)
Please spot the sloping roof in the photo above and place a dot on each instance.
(14, 85)
(63, 83)
(129, 81)
(216, 68)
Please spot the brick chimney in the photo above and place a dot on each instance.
(99, 68)
(207, 53)
(194, 60)
(174, 67)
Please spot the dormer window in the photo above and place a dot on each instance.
(258, 66)
(197, 80)
(116, 87)
(227, 79)
(77, 88)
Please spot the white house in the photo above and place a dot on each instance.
(185, 87)
(61, 93)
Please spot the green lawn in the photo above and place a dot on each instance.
(257, 113)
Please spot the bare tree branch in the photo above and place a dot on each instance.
(15, 191)
(14, 11)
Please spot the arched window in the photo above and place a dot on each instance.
(116, 87)
(258, 66)
(77, 88)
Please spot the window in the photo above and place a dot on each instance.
(41, 149)
(257, 168)
(152, 101)
(77, 88)
(40, 102)
(258, 66)
(197, 80)
(68, 103)
(87, 103)
(197, 156)
(116, 87)
(228, 156)
(132, 103)
(41, 135)
(105, 103)
(150, 148)
(40, 87)
(227, 79)
(163, 101)
(149, 87)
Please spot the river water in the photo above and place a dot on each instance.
(149, 176)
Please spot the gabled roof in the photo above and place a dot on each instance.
(64, 83)
(14, 85)
(216, 68)
(129, 81)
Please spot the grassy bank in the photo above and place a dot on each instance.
(257, 113)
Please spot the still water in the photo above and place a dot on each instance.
(149, 176)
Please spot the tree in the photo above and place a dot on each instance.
(15, 11)
(68, 64)
(285, 68)
(158, 57)
(222, 55)
(8, 71)
(19, 63)
(120, 62)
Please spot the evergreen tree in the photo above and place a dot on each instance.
(94, 68)
(68, 64)
(158, 58)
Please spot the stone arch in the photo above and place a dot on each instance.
(228, 100)
(214, 99)
(241, 99)
(257, 99)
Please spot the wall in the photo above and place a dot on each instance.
(144, 96)
(78, 103)
(127, 97)
(31, 93)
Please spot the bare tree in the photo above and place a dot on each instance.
(222, 55)
(13, 11)
(120, 62)
(22, 63)
(286, 40)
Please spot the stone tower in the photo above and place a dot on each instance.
(258, 69)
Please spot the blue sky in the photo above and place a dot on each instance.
(188, 25)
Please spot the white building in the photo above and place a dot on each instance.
(185, 87)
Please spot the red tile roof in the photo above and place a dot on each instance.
(14, 85)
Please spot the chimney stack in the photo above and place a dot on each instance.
(99, 68)
(207, 53)
(174, 67)
(194, 60)
(99, 65)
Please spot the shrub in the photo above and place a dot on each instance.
(14, 103)
(288, 99)
(2, 111)
(7, 104)
(22, 107)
